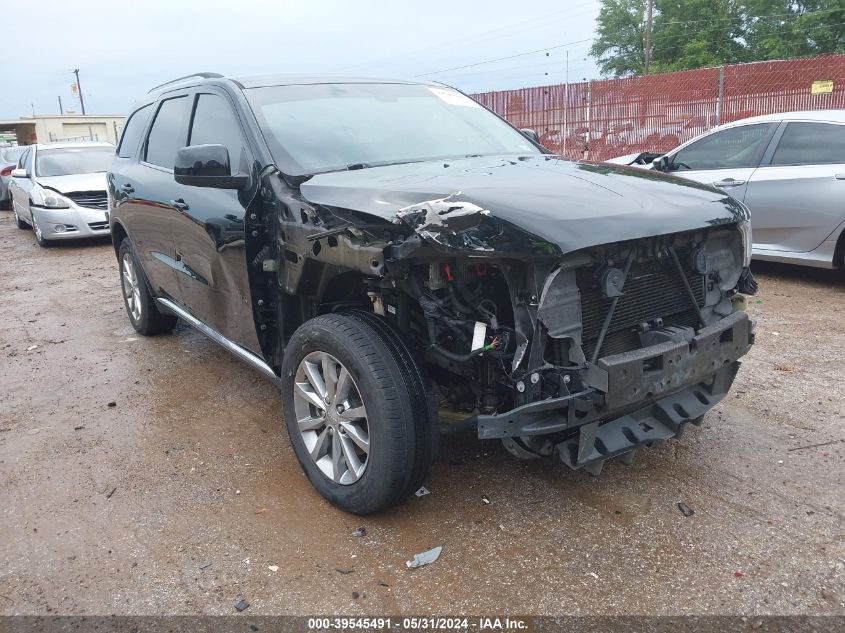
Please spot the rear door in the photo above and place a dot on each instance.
(210, 236)
(797, 196)
(725, 158)
(154, 209)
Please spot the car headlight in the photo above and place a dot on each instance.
(53, 200)
(745, 231)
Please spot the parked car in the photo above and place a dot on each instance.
(9, 157)
(388, 249)
(59, 189)
(788, 168)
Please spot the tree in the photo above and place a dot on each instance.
(620, 35)
(698, 33)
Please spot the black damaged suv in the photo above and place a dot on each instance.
(389, 251)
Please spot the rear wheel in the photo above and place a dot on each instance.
(20, 223)
(357, 411)
(140, 306)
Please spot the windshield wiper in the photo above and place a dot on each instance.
(352, 166)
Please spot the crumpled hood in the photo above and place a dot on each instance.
(74, 182)
(569, 205)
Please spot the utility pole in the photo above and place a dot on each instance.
(61, 109)
(647, 44)
(79, 88)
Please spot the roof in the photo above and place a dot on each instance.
(73, 144)
(837, 116)
(277, 79)
(290, 79)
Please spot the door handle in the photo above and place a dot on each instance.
(179, 204)
(840, 176)
(728, 182)
(127, 188)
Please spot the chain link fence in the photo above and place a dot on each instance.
(600, 119)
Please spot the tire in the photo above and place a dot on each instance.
(39, 237)
(20, 223)
(140, 306)
(387, 383)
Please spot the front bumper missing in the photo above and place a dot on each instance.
(652, 393)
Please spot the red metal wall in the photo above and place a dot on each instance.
(598, 120)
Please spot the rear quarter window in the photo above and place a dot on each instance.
(811, 144)
(132, 132)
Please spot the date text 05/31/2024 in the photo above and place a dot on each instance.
(417, 624)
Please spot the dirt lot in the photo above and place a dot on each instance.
(145, 476)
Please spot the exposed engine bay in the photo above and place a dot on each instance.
(581, 353)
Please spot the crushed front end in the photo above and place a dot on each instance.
(587, 356)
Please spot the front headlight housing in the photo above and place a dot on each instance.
(745, 231)
(53, 200)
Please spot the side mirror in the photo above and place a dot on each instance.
(206, 166)
(661, 164)
(530, 134)
(19, 173)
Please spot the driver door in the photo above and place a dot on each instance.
(725, 159)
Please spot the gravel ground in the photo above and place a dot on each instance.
(149, 476)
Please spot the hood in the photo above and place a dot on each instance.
(567, 205)
(74, 182)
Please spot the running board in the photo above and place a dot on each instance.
(232, 347)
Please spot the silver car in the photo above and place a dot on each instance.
(788, 168)
(9, 157)
(59, 189)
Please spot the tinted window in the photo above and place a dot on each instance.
(132, 132)
(215, 123)
(735, 147)
(65, 161)
(323, 127)
(811, 144)
(169, 133)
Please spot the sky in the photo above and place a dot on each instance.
(123, 49)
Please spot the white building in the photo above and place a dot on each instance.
(69, 127)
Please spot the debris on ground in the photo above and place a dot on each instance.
(361, 531)
(204, 567)
(355, 595)
(273, 567)
(425, 558)
(738, 574)
(485, 500)
(31, 347)
(243, 605)
(78, 428)
(594, 575)
(685, 509)
(108, 496)
(344, 570)
(112, 404)
(423, 491)
(261, 510)
(801, 448)
(381, 583)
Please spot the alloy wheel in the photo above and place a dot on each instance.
(131, 287)
(331, 418)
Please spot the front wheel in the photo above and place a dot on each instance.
(39, 235)
(358, 412)
(20, 223)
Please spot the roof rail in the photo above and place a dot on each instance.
(173, 81)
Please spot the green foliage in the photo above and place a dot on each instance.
(698, 33)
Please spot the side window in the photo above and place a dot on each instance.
(811, 144)
(215, 123)
(132, 132)
(169, 132)
(741, 146)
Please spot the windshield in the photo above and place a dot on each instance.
(12, 154)
(65, 161)
(325, 127)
